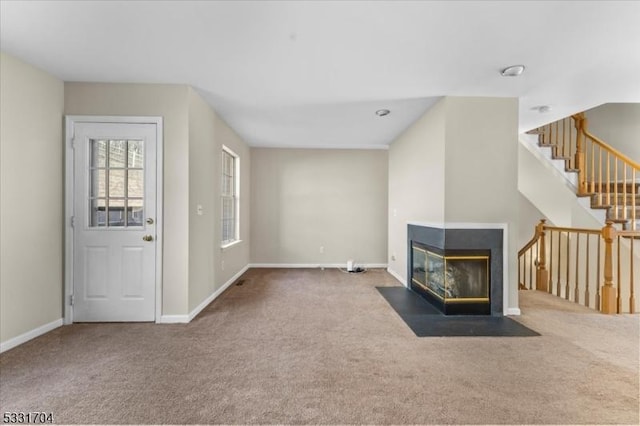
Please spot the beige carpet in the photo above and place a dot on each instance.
(324, 347)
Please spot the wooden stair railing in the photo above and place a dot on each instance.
(610, 178)
(594, 267)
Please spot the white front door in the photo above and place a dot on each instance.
(114, 221)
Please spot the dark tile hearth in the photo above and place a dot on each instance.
(427, 321)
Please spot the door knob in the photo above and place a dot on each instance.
(150, 221)
(147, 238)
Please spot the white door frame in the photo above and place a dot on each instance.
(70, 122)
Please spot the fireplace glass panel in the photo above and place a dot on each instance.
(467, 278)
(452, 279)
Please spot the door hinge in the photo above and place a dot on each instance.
(73, 142)
(71, 300)
(73, 221)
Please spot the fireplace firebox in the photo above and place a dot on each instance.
(457, 281)
(457, 269)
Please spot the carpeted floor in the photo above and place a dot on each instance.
(324, 347)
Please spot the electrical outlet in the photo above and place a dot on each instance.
(321, 249)
(393, 256)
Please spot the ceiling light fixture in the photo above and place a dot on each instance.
(382, 112)
(542, 108)
(512, 71)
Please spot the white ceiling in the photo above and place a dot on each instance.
(312, 74)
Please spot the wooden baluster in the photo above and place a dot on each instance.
(531, 268)
(542, 275)
(632, 298)
(608, 179)
(618, 279)
(598, 276)
(566, 286)
(600, 175)
(576, 290)
(624, 192)
(634, 193)
(550, 286)
(608, 291)
(593, 168)
(587, 296)
(558, 292)
(615, 187)
(579, 157)
(519, 272)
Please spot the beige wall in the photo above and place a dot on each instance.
(481, 172)
(210, 267)
(31, 201)
(547, 190)
(171, 103)
(416, 181)
(302, 200)
(457, 164)
(528, 217)
(619, 126)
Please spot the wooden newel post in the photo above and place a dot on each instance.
(609, 304)
(581, 123)
(542, 275)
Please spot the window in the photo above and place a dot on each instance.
(116, 183)
(230, 200)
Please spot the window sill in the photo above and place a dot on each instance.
(229, 245)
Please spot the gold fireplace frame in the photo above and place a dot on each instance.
(445, 259)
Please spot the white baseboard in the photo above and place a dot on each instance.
(32, 334)
(216, 293)
(173, 319)
(513, 311)
(397, 276)
(183, 319)
(315, 265)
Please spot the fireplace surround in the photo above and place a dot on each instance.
(458, 270)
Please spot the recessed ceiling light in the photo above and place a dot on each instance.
(542, 108)
(512, 71)
(382, 112)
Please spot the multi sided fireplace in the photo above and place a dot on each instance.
(456, 281)
(458, 270)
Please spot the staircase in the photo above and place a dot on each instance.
(595, 266)
(609, 178)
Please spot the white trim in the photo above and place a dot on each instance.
(316, 265)
(460, 225)
(513, 311)
(397, 276)
(330, 146)
(216, 293)
(31, 334)
(229, 245)
(505, 273)
(173, 319)
(70, 121)
(235, 196)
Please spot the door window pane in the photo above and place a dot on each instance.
(98, 153)
(135, 212)
(116, 183)
(98, 183)
(97, 212)
(135, 184)
(117, 151)
(135, 154)
(116, 212)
